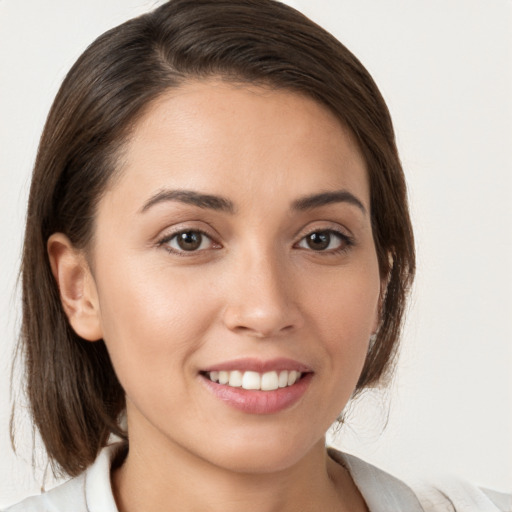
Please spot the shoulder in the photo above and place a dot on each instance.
(453, 495)
(58, 499)
(386, 493)
(89, 492)
(381, 491)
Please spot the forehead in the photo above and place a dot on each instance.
(215, 136)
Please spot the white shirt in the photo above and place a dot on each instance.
(92, 492)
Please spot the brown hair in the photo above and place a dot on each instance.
(74, 394)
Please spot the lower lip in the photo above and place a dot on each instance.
(259, 402)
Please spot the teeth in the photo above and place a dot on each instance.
(283, 379)
(251, 380)
(235, 379)
(292, 377)
(268, 381)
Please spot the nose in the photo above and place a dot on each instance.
(261, 301)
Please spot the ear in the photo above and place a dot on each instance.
(77, 288)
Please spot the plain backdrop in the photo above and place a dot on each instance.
(445, 69)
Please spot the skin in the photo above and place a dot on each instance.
(254, 288)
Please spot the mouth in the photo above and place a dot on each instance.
(251, 380)
(258, 387)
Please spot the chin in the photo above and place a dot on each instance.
(262, 455)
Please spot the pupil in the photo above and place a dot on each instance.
(189, 241)
(319, 241)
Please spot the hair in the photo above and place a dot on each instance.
(75, 398)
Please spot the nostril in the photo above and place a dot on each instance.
(262, 332)
(262, 318)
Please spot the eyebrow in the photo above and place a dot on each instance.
(325, 198)
(190, 197)
(223, 204)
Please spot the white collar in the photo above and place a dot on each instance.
(381, 491)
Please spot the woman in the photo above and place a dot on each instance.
(218, 247)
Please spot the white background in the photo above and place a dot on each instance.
(444, 67)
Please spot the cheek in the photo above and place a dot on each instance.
(347, 303)
(152, 321)
(345, 314)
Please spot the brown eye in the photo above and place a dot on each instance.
(323, 241)
(188, 241)
(318, 241)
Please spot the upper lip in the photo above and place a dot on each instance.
(258, 365)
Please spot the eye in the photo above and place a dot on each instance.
(325, 240)
(187, 241)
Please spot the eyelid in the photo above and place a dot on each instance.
(347, 240)
(330, 226)
(163, 241)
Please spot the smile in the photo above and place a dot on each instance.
(251, 380)
(254, 386)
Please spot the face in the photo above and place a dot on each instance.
(236, 274)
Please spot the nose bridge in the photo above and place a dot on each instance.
(262, 302)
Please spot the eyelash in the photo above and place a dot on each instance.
(346, 242)
(164, 242)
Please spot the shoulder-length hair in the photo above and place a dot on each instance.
(75, 397)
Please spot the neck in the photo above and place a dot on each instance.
(159, 475)
(175, 479)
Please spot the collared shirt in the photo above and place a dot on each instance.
(92, 491)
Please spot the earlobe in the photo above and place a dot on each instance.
(77, 288)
